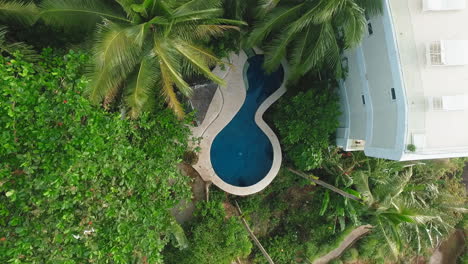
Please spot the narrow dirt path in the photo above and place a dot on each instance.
(349, 240)
(183, 212)
(450, 249)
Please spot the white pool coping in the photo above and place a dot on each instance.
(225, 104)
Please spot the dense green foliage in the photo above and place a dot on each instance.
(412, 210)
(286, 218)
(214, 238)
(305, 123)
(296, 221)
(82, 185)
(78, 184)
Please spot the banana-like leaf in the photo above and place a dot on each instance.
(82, 14)
(325, 201)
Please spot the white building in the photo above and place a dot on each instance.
(406, 94)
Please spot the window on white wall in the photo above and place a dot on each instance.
(392, 91)
(370, 30)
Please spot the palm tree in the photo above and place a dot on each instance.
(309, 32)
(142, 45)
(409, 206)
(406, 213)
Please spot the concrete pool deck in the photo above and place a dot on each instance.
(224, 106)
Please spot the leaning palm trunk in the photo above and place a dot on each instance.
(252, 235)
(326, 185)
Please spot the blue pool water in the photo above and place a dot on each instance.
(241, 154)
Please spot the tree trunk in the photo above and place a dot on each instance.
(252, 235)
(207, 191)
(348, 241)
(326, 185)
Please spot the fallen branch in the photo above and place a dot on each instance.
(252, 235)
(326, 185)
(207, 191)
(348, 241)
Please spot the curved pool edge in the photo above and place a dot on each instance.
(224, 112)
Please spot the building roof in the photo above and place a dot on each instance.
(436, 112)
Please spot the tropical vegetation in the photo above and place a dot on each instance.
(95, 135)
(79, 184)
(311, 34)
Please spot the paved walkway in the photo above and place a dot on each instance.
(225, 104)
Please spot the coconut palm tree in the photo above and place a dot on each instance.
(406, 213)
(140, 46)
(309, 32)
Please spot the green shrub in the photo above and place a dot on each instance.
(213, 238)
(351, 254)
(305, 124)
(411, 147)
(283, 249)
(78, 184)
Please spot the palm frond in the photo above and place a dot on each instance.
(392, 237)
(168, 92)
(195, 5)
(205, 32)
(138, 34)
(353, 23)
(198, 57)
(27, 51)
(301, 46)
(223, 21)
(267, 5)
(127, 7)
(104, 82)
(198, 15)
(18, 11)
(276, 51)
(115, 56)
(140, 86)
(115, 48)
(324, 10)
(278, 17)
(170, 62)
(322, 46)
(372, 7)
(361, 181)
(83, 14)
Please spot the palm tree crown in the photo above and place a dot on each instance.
(308, 32)
(139, 45)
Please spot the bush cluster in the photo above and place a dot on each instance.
(79, 184)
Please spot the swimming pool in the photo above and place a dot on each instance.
(241, 154)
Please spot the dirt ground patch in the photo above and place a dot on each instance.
(183, 212)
